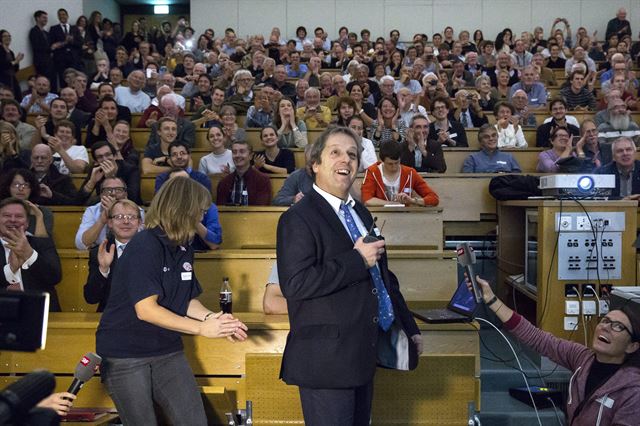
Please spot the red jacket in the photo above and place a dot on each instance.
(373, 186)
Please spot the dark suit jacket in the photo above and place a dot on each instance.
(69, 53)
(456, 132)
(64, 191)
(97, 288)
(612, 169)
(333, 311)
(41, 51)
(44, 274)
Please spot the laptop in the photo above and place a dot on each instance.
(461, 308)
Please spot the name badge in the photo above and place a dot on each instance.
(186, 276)
(453, 135)
(534, 100)
(501, 162)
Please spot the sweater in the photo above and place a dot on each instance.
(410, 181)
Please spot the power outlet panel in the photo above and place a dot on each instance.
(570, 323)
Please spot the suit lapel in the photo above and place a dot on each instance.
(327, 212)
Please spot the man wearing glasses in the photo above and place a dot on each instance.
(124, 221)
(93, 227)
(107, 164)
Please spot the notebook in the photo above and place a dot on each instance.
(461, 308)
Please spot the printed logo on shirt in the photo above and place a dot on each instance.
(187, 266)
(166, 269)
(183, 248)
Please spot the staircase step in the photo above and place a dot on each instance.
(500, 409)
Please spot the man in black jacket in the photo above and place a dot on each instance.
(342, 299)
(28, 263)
(106, 165)
(41, 49)
(65, 44)
(124, 222)
(625, 167)
(56, 189)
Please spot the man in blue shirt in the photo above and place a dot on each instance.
(490, 159)
(180, 157)
(536, 92)
(295, 69)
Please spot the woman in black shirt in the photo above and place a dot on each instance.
(153, 300)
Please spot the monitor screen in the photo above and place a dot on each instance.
(463, 299)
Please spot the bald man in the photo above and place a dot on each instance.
(132, 96)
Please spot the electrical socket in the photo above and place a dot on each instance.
(571, 307)
(583, 224)
(589, 307)
(604, 308)
(570, 323)
(565, 223)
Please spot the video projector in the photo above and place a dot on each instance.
(577, 185)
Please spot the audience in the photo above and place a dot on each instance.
(625, 167)
(23, 185)
(245, 186)
(560, 148)
(273, 159)
(219, 160)
(490, 159)
(33, 263)
(123, 221)
(420, 152)
(93, 229)
(389, 182)
(180, 158)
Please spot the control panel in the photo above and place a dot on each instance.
(590, 245)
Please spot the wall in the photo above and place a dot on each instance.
(109, 8)
(408, 16)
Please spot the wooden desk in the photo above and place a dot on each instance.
(450, 366)
(546, 308)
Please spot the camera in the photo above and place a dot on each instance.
(433, 82)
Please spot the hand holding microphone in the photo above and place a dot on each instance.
(467, 259)
(86, 368)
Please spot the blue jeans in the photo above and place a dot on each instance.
(135, 384)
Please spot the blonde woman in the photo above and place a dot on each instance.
(10, 155)
(153, 301)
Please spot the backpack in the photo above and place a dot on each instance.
(514, 187)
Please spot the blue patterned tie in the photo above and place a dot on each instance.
(385, 308)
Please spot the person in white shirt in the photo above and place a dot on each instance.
(368, 155)
(220, 159)
(68, 157)
(133, 97)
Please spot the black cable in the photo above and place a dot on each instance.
(553, 255)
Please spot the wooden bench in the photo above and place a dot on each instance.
(255, 226)
(230, 373)
(427, 277)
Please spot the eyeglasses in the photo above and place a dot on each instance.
(21, 185)
(616, 326)
(118, 190)
(125, 217)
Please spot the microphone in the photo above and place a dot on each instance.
(86, 368)
(466, 259)
(20, 397)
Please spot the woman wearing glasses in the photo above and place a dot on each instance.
(22, 184)
(605, 386)
(152, 302)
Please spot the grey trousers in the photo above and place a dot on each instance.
(135, 384)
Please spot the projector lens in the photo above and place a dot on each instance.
(585, 183)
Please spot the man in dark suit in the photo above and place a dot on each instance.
(625, 167)
(124, 222)
(40, 46)
(342, 299)
(65, 45)
(28, 263)
(56, 189)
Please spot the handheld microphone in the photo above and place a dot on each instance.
(21, 396)
(370, 237)
(466, 259)
(86, 368)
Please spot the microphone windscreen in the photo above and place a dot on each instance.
(24, 394)
(87, 367)
(465, 253)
